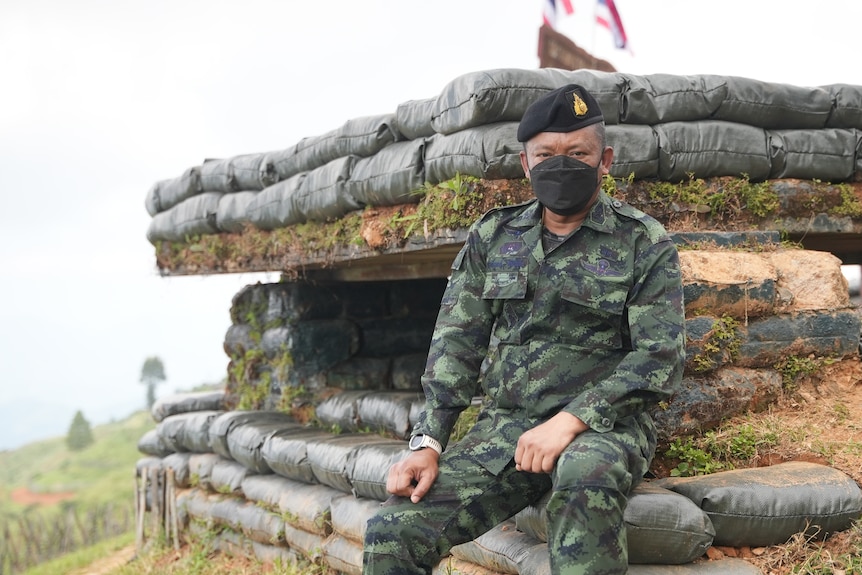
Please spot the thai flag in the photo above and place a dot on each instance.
(607, 16)
(549, 11)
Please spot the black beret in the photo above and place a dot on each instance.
(565, 109)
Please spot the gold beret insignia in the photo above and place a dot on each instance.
(579, 105)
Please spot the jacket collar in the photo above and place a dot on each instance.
(601, 217)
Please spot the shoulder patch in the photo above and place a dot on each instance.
(655, 231)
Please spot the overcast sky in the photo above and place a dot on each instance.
(100, 99)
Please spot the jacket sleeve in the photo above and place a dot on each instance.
(652, 370)
(459, 344)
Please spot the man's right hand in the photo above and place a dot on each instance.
(413, 476)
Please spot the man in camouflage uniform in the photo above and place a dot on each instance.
(567, 311)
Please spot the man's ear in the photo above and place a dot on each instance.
(607, 160)
(523, 156)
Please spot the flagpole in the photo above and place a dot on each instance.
(593, 23)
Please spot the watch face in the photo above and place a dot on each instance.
(416, 442)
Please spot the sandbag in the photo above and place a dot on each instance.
(406, 374)
(662, 526)
(711, 148)
(151, 443)
(826, 154)
(413, 118)
(179, 464)
(201, 467)
(192, 217)
(286, 453)
(390, 177)
(359, 373)
(367, 467)
(502, 95)
(846, 106)
(221, 426)
(187, 431)
(306, 155)
(217, 176)
(341, 409)
(659, 98)
(773, 106)
(187, 401)
(309, 545)
(328, 457)
(274, 207)
(151, 462)
(313, 345)
(245, 441)
(365, 136)
(323, 194)
(165, 194)
(391, 336)
(274, 554)
(227, 476)
(768, 505)
(490, 151)
(388, 411)
(232, 212)
(306, 506)
(350, 516)
(343, 555)
(500, 549)
(258, 524)
(635, 151)
(252, 172)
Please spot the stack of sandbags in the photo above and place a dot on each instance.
(661, 126)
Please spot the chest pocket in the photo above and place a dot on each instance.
(591, 313)
(505, 285)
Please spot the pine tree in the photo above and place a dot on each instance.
(152, 374)
(80, 435)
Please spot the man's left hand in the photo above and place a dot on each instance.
(539, 448)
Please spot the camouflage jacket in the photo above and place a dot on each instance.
(594, 328)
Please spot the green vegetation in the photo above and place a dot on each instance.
(54, 499)
(793, 367)
(152, 374)
(79, 435)
(101, 473)
(734, 444)
(721, 198)
(83, 557)
(721, 344)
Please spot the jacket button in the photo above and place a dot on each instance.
(617, 204)
(606, 422)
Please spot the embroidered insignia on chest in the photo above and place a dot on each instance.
(601, 268)
(510, 248)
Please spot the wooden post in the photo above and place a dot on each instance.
(172, 526)
(155, 500)
(140, 507)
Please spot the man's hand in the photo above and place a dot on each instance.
(539, 448)
(412, 477)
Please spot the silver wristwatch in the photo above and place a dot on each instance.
(421, 441)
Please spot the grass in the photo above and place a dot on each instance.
(101, 473)
(83, 557)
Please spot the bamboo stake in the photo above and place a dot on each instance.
(140, 508)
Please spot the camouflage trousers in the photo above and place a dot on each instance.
(589, 490)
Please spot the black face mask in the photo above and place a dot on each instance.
(563, 184)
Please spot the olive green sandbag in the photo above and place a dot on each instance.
(662, 526)
(768, 505)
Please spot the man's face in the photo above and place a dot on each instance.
(583, 145)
